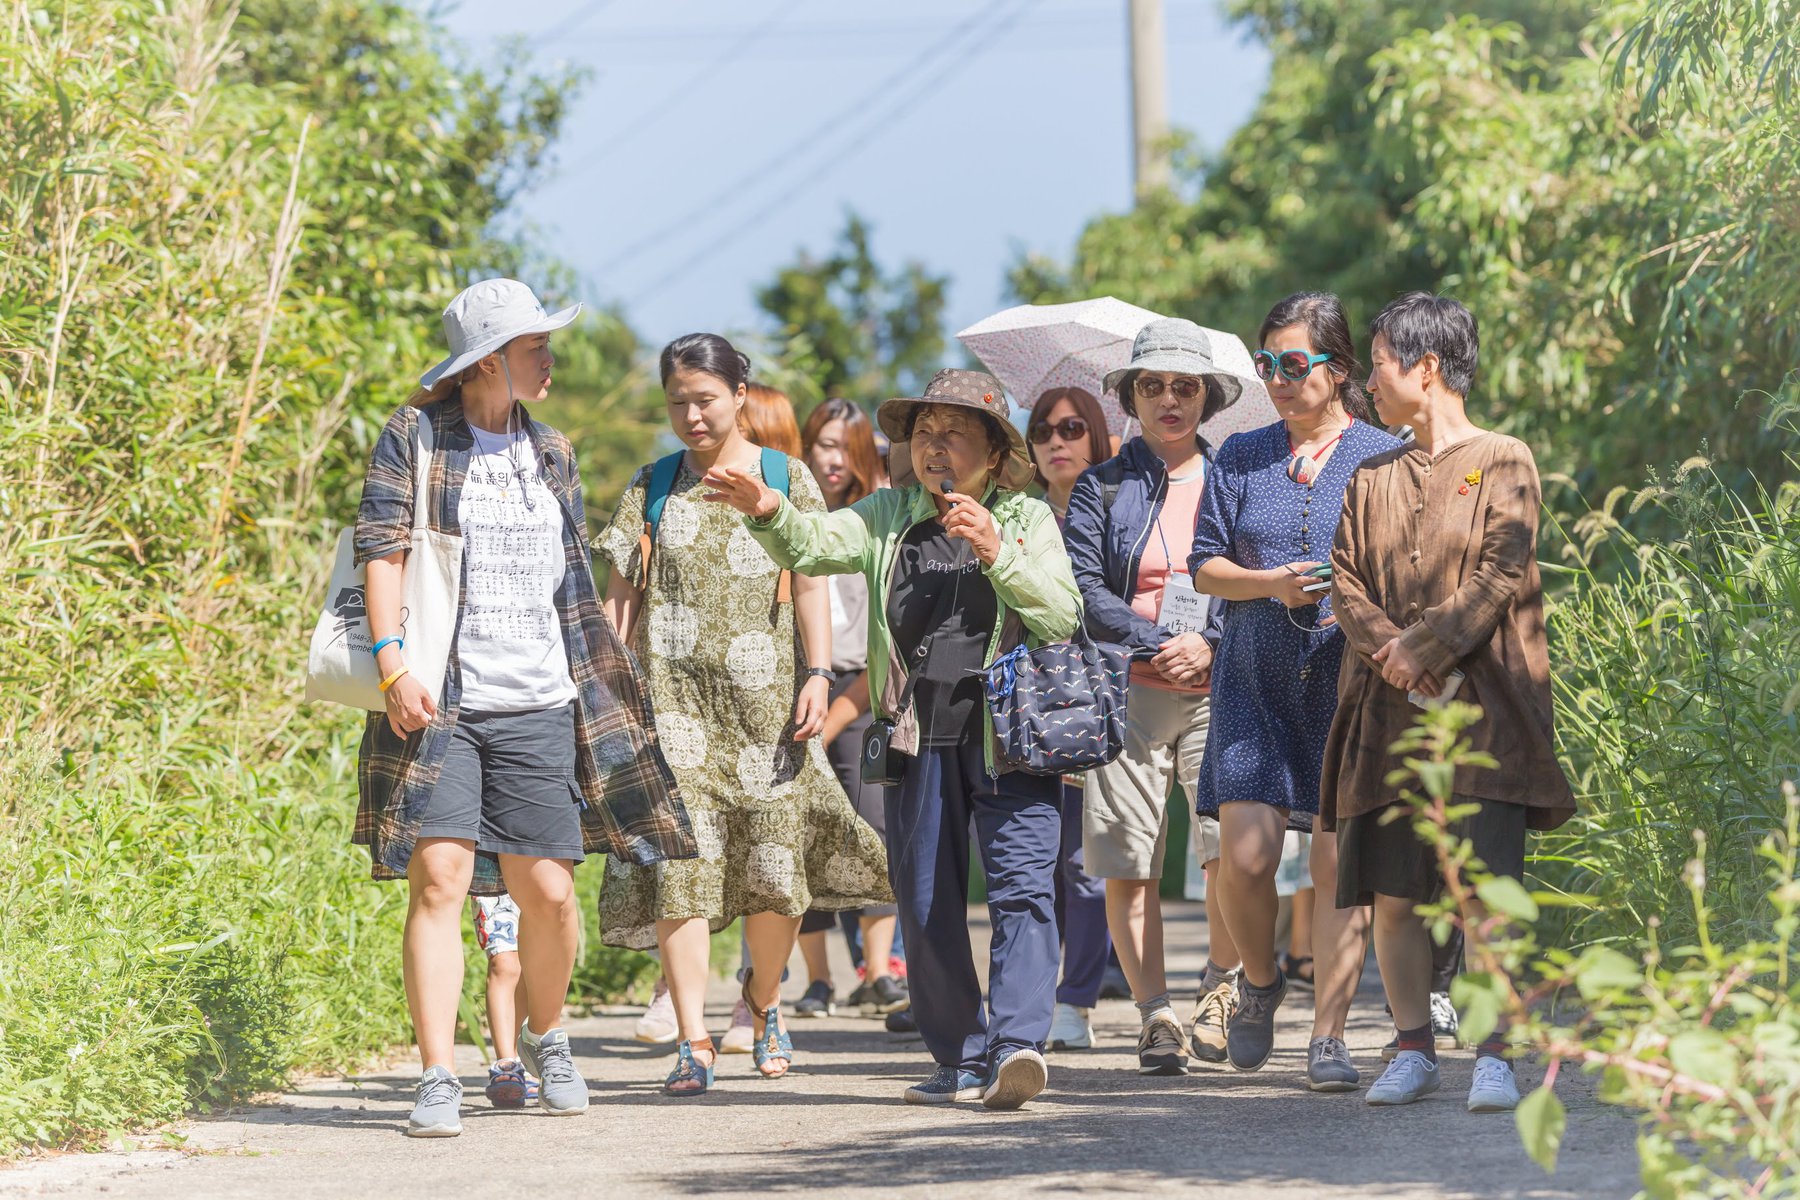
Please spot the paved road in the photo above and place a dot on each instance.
(836, 1126)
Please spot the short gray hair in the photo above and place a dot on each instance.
(1420, 323)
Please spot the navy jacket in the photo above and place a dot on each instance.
(1106, 548)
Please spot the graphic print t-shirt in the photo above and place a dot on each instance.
(511, 643)
(948, 698)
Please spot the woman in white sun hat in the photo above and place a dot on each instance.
(538, 747)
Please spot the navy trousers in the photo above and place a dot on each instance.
(1018, 828)
(1080, 913)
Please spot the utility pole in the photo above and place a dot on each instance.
(1149, 99)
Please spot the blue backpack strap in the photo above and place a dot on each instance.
(662, 482)
(775, 474)
(775, 470)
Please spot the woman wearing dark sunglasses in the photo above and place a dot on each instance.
(1067, 435)
(1131, 524)
(1270, 514)
(1067, 432)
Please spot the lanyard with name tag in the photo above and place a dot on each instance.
(1183, 609)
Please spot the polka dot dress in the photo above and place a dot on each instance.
(776, 832)
(1274, 682)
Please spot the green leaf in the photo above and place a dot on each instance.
(1602, 970)
(1437, 778)
(1509, 898)
(1704, 1054)
(1477, 999)
(1542, 1120)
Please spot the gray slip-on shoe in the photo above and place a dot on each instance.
(1328, 1066)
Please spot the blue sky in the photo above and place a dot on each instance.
(718, 137)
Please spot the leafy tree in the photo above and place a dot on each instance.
(1495, 151)
(856, 330)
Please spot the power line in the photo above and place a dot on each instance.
(645, 118)
(806, 142)
(832, 161)
(574, 20)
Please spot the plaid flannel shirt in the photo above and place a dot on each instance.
(629, 802)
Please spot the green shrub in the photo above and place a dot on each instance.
(1701, 1036)
(223, 251)
(1677, 680)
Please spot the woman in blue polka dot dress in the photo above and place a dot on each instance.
(1268, 517)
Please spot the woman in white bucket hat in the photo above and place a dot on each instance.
(539, 746)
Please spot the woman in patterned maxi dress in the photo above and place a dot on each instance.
(1268, 516)
(737, 715)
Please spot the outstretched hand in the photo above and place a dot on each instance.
(743, 491)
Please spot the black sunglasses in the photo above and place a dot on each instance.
(1069, 429)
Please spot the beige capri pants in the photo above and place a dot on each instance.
(1125, 817)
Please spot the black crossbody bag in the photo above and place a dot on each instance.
(882, 765)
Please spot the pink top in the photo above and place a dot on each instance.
(1172, 538)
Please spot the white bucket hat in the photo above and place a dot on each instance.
(487, 315)
(1179, 346)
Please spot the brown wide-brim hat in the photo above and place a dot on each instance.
(975, 390)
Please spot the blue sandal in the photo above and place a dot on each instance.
(690, 1078)
(774, 1045)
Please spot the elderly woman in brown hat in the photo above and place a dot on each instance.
(964, 567)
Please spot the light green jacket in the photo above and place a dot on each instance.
(1038, 600)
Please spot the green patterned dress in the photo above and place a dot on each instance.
(776, 832)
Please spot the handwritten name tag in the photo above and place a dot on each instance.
(1183, 610)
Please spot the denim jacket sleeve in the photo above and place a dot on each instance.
(1109, 617)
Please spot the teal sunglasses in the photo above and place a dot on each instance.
(1293, 365)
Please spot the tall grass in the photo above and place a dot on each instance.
(216, 272)
(1677, 685)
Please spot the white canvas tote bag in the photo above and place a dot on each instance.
(339, 667)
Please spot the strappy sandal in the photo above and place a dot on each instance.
(691, 1077)
(1298, 970)
(774, 1046)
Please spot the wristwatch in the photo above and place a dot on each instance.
(825, 673)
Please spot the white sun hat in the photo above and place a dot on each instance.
(487, 315)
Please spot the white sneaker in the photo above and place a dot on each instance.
(741, 1033)
(1070, 1029)
(658, 1025)
(1494, 1088)
(1411, 1076)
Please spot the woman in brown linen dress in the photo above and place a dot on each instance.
(1436, 578)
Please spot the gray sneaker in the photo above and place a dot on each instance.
(438, 1110)
(562, 1092)
(1328, 1066)
(1250, 1038)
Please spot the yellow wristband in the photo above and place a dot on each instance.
(389, 681)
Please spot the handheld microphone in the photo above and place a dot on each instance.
(956, 552)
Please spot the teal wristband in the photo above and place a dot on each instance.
(386, 641)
